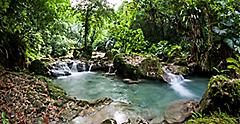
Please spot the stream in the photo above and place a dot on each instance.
(149, 96)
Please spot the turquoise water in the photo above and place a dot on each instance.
(149, 95)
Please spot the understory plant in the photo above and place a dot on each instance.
(214, 118)
(5, 118)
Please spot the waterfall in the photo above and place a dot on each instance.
(60, 69)
(176, 82)
(84, 67)
(74, 67)
(62, 66)
(109, 69)
(110, 66)
(110, 72)
(90, 68)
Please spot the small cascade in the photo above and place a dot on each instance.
(110, 72)
(64, 67)
(84, 67)
(74, 66)
(61, 66)
(109, 69)
(90, 68)
(176, 82)
(60, 69)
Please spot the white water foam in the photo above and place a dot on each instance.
(176, 82)
(74, 66)
(90, 68)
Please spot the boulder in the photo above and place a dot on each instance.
(135, 67)
(223, 94)
(58, 73)
(81, 66)
(179, 111)
(125, 69)
(151, 67)
(38, 67)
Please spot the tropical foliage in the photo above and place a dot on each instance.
(193, 30)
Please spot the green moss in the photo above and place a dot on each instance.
(184, 70)
(151, 65)
(44, 79)
(126, 70)
(223, 94)
(216, 118)
(55, 91)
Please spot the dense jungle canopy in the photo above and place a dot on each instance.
(202, 31)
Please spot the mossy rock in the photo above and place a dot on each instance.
(109, 55)
(125, 70)
(177, 69)
(223, 94)
(151, 68)
(38, 67)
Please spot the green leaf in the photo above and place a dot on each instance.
(237, 69)
(229, 42)
(216, 30)
(4, 118)
(232, 60)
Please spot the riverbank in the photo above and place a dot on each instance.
(34, 99)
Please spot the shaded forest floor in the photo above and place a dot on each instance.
(34, 99)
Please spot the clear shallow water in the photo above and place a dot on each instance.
(149, 95)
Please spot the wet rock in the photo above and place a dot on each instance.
(109, 74)
(80, 66)
(96, 67)
(223, 94)
(180, 111)
(60, 69)
(130, 81)
(109, 121)
(57, 73)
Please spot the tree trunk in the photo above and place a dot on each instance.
(86, 30)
